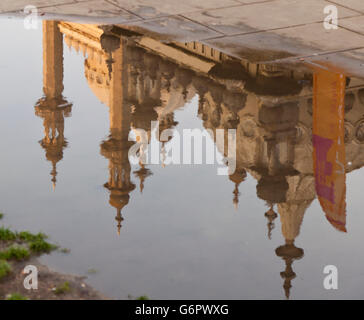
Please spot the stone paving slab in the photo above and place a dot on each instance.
(17, 5)
(156, 8)
(355, 24)
(266, 16)
(350, 62)
(359, 54)
(306, 40)
(94, 8)
(259, 30)
(320, 39)
(173, 28)
(258, 48)
(352, 4)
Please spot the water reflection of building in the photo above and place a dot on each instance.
(274, 145)
(274, 141)
(116, 148)
(138, 88)
(270, 107)
(53, 107)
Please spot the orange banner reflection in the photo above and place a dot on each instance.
(329, 148)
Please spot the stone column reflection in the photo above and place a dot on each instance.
(53, 107)
(116, 148)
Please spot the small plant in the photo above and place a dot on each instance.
(1, 215)
(41, 246)
(7, 234)
(145, 297)
(15, 296)
(15, 252)
(28, 237)
(62, 288)
(4, 268)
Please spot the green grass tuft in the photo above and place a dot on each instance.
(15, 252)
(145, 297)
(41, 246)
(63, 288)
(28, 237)
(15, 296)
(7, 234)
(1, 215)
(5, 268)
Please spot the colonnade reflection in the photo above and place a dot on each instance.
(298, 135)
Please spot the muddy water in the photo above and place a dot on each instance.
(71, 94)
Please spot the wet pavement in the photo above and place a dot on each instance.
(291, 30)
(175, 231)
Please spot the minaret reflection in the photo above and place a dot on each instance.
(117, 146)
(53, 107)
(271, 215)
(291, 214)
(237, 177)
(289, 252)
(142, 174)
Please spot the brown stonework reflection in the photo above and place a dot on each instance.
(267, 148)
(116, 148)
(270, 108)
(237, 177)
(271, 215)
(138, 88)
(53, 107)
(274, 145)
(288, 252)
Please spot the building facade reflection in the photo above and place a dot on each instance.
(276, 113)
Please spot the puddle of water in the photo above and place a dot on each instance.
(72, 93)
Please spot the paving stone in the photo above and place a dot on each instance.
(173, 28)
(12, 5)
(95, 8)
(265, 16)
(353, 4)
(358, 54)
(254, 29)
(355, 24)
(316, 36)
(156, 8)
(264, 46)
(283, 43)
(350, 62)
